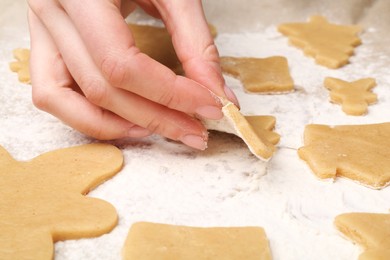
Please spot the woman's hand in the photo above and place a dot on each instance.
(86, 70)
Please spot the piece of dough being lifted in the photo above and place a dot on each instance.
(260, 142)
(151, 241)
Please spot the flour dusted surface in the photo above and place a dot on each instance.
(226, 185)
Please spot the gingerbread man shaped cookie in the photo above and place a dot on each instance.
(42, 200)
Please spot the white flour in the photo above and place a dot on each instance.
(226, 185)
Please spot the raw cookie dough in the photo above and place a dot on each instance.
(354, 97)
(357, 152)
(150, 241)
(329, 44)
(21, 66)
(157, 44)
(260, 75)
(260, 142)
(263, 126)
(42, 200)
(371, 231)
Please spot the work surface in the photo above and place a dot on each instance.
(163, 181)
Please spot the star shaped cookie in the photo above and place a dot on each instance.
(260, 75)
(371, 231)
(42, 199)
(21, 65)
(354, 97)
(147, 241)
(329, 44)
(357, 152)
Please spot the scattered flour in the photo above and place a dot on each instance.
(163, 181)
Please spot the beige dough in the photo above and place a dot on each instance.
(371, 231)
(157, 44)
(263, 126)
(329, 44)
(21, 66)
(357, 152)
(354, 97)
(267, 75)
(150, 241)
(42, 200)
(260, 141)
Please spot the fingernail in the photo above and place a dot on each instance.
(231, 96)
(194, 141)
(209, 112)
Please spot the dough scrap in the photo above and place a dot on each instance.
(357, 152)
(42, 199)
(260, 75)
(354, 97)
(329, 44)
(149, 241)
(21, 66)
(370, 230)
(260, 141)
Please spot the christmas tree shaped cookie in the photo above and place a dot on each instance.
(42, 200)
(371, 231)
(21, 65)
(357, 152)
(148, 241)
(329, 44)
(260, 75)
(354, 97)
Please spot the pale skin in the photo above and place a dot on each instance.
(86, 70)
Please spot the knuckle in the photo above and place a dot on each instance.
(94, 90)
(40, 99)
(97, 131)
(117, 68)
(169, 99)
(113, 69)
(210, 53)
(155, 125)
(39, 7)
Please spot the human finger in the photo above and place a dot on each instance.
(112, 47)
(194, 44)
(134, 108)
(52, 92)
